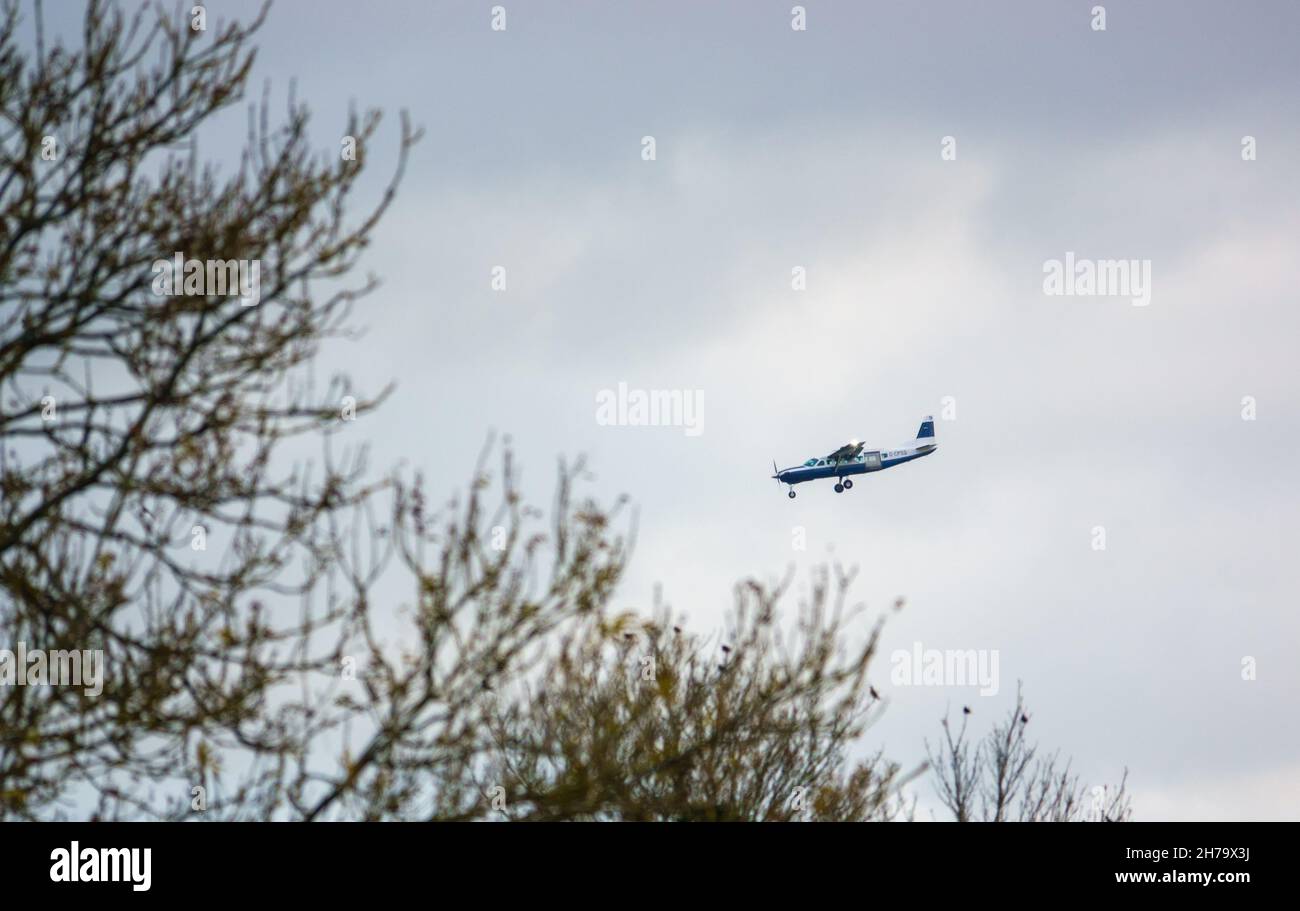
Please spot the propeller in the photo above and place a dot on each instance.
(776, 473)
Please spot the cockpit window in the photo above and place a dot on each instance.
(810, 463)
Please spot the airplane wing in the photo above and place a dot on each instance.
(849, 450)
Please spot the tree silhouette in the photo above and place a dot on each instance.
(137, 427)
(1004, 777)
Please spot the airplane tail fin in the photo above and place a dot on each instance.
(927, 428)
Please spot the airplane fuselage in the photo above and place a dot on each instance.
(854, 460)
(872, 460)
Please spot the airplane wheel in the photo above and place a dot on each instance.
(792, 495)
(839, 488)
(847, 483)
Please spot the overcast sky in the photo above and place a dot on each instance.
(821, 149)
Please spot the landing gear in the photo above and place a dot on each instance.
(839, 488)
(791, 495)
(847, 483)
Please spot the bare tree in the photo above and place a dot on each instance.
(139, 428)
(1005, 777)
(643, 720)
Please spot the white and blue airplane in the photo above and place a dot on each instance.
(850, 459)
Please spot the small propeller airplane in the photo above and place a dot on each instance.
(851, 459)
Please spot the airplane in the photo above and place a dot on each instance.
(851, 459)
